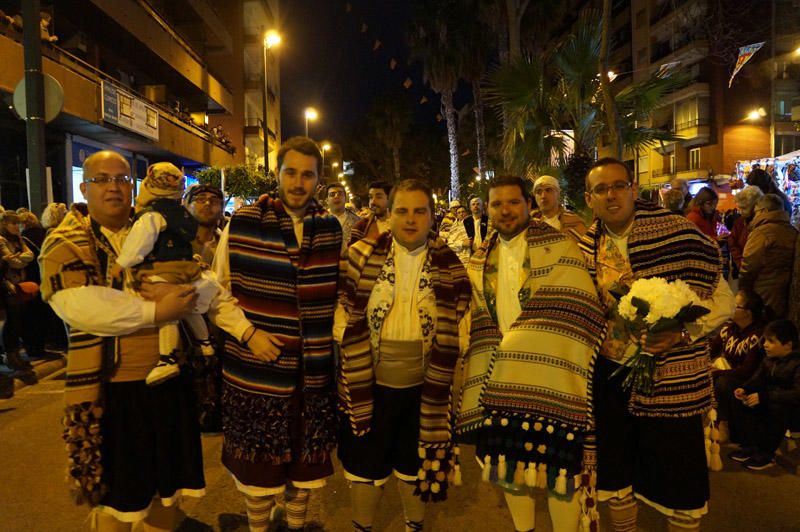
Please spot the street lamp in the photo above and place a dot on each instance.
(325, 147)
(310, 114)
(270, 39)
(757, 114)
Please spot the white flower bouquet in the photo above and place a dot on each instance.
(654, 305)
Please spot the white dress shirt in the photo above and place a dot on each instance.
(510, 260)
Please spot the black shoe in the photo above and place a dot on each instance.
(760, 461)
(742, 455)
(27, 376)
(6, 387)
(15, 361)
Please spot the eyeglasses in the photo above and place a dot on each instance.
(105, 179)
(334, 193)
(618, 187)
(207, 201)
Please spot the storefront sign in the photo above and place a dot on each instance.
(128, 111)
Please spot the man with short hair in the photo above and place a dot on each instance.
(547, 192)
(536, 321)
(337, 199)
(476, 224)
(204, 203)
(398, 324)
(378, 221)
(134, 450)
(280, 256)
(768, 257)
(650, 445)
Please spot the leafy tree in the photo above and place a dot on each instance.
(241, 181)
(390, 119)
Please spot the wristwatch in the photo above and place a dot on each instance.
(686, 338)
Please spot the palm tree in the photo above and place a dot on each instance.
(433, 44)
(477, 42)
(559, 95)
(390, 119)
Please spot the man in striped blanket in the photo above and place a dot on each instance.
(536, 328)
(398, 320)
(650, 446)
(280, 258)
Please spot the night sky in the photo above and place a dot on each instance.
(328, 62)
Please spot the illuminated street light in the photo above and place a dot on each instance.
(310, 114)
(757, 114)
(271, 38)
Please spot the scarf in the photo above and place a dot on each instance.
(529, 391)
(288, 289)
(662, 244)
(451, 288)
(77, 254)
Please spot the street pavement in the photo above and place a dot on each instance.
(34, 497)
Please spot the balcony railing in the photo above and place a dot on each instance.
(663, 49)
(689, 124)
(677, 170)
(91, 73)
(665, 9)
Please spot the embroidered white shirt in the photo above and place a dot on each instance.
(510, 260)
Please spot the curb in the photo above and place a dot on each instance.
(43, 370)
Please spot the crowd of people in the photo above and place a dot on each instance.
(30, 328)
(390, 337)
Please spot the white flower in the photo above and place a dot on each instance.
(666, 299)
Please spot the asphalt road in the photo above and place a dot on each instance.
(34, 498)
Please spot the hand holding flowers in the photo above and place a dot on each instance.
(655, 309)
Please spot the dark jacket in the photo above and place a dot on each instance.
(768, 259)
(469, 225)
(777, 381)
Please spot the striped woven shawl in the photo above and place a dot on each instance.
(76, 254)
(542, 366)
(452, 291)
(289, 290)
(662, 244)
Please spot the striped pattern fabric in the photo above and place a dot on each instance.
(452, 291)
(662, 244)
(289, 290)
(73, 255)
(542, 366)
(527, 396)
(286, 290)
(70, 258)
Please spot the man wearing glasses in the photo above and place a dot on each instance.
(133, 450)
(650, 446)
(204, 203)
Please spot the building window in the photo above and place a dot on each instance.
(642, 55)
(694, 158)
(641, 18)
(644, 164)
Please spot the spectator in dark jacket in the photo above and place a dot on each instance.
(745, 204)
(769, 254)
(769, 401)
(736, 352)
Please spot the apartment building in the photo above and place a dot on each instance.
(158, 80)
(716, 124)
